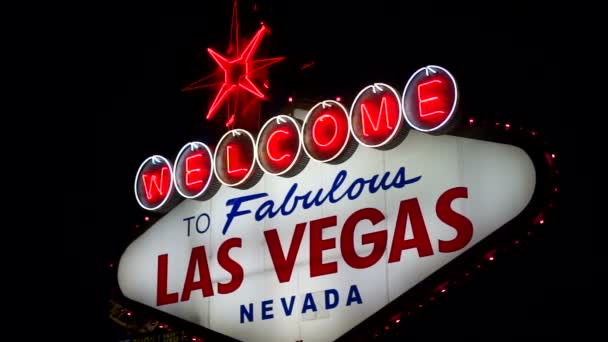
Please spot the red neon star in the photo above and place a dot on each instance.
(237, 71)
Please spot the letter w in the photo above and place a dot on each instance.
(150, 179)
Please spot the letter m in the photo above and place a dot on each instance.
(366, 118)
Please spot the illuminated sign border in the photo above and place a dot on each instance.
(452, 111)
(301, 140)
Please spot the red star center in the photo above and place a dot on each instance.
(236, 72)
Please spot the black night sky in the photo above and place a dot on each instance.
(503, 55)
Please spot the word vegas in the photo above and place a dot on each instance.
(376, 119)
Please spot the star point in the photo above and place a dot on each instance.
(237, 74)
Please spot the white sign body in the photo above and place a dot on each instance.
(499, 181)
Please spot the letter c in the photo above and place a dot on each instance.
(286, 155)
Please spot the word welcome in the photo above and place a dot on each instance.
(377, 117)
